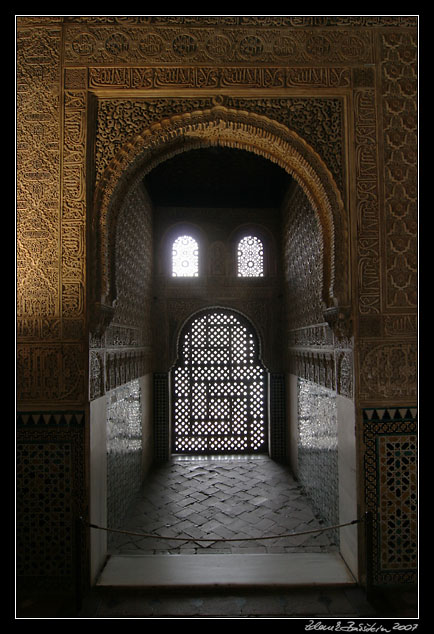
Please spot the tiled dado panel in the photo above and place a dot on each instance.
(390, 436)
(161, 417)
(50, 493)
(318, 449)
(124, 450)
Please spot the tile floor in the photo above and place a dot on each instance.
(218, 498)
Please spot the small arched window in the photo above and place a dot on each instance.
(185, 257)
(250, 257)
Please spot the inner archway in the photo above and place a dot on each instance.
(223, 132)
(219, 387)
(230, 128)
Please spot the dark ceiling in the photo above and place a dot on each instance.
(217, 177)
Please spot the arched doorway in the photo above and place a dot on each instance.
(219, 387)
(223, 128)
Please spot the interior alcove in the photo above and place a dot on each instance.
(221, 191)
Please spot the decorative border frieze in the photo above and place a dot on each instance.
(90, 44)
(367, 203)
(73, 215)
(298, 21)
(111, 368)
(210, 77)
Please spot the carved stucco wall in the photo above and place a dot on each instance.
(123, 351)
(359, 74)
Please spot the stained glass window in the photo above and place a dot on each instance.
(250, 257)
(185, 257)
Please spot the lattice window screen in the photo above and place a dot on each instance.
(250, 257)
(219, 388)
(185, 257)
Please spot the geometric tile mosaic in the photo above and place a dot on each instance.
(50, 496)
(161, 417)
(124, 449)
(44, 534)
(390, 436)
(397, 493)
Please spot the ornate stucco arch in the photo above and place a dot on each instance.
(223, 126)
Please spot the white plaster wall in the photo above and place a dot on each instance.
(348, 509)
(347, 481)
(98, 485)
(98, 468)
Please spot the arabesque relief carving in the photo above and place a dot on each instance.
(318, 121)
(38, 187)
(192, 53)
(388, 371)
(234, 128)
(399, 111)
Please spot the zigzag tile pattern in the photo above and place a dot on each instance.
(221, 498)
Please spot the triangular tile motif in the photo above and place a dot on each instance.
(370, 414)
(23, 419)
(50, 419)
(379, 414)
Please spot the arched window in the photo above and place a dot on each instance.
(219, 396)
(185, 257)
(250, 257)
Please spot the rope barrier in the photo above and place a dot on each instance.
(221, 539)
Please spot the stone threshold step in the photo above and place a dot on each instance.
(211, 571)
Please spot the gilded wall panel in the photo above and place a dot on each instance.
(314, 64)
(38, 183)
(73, 212)
(200, 52)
